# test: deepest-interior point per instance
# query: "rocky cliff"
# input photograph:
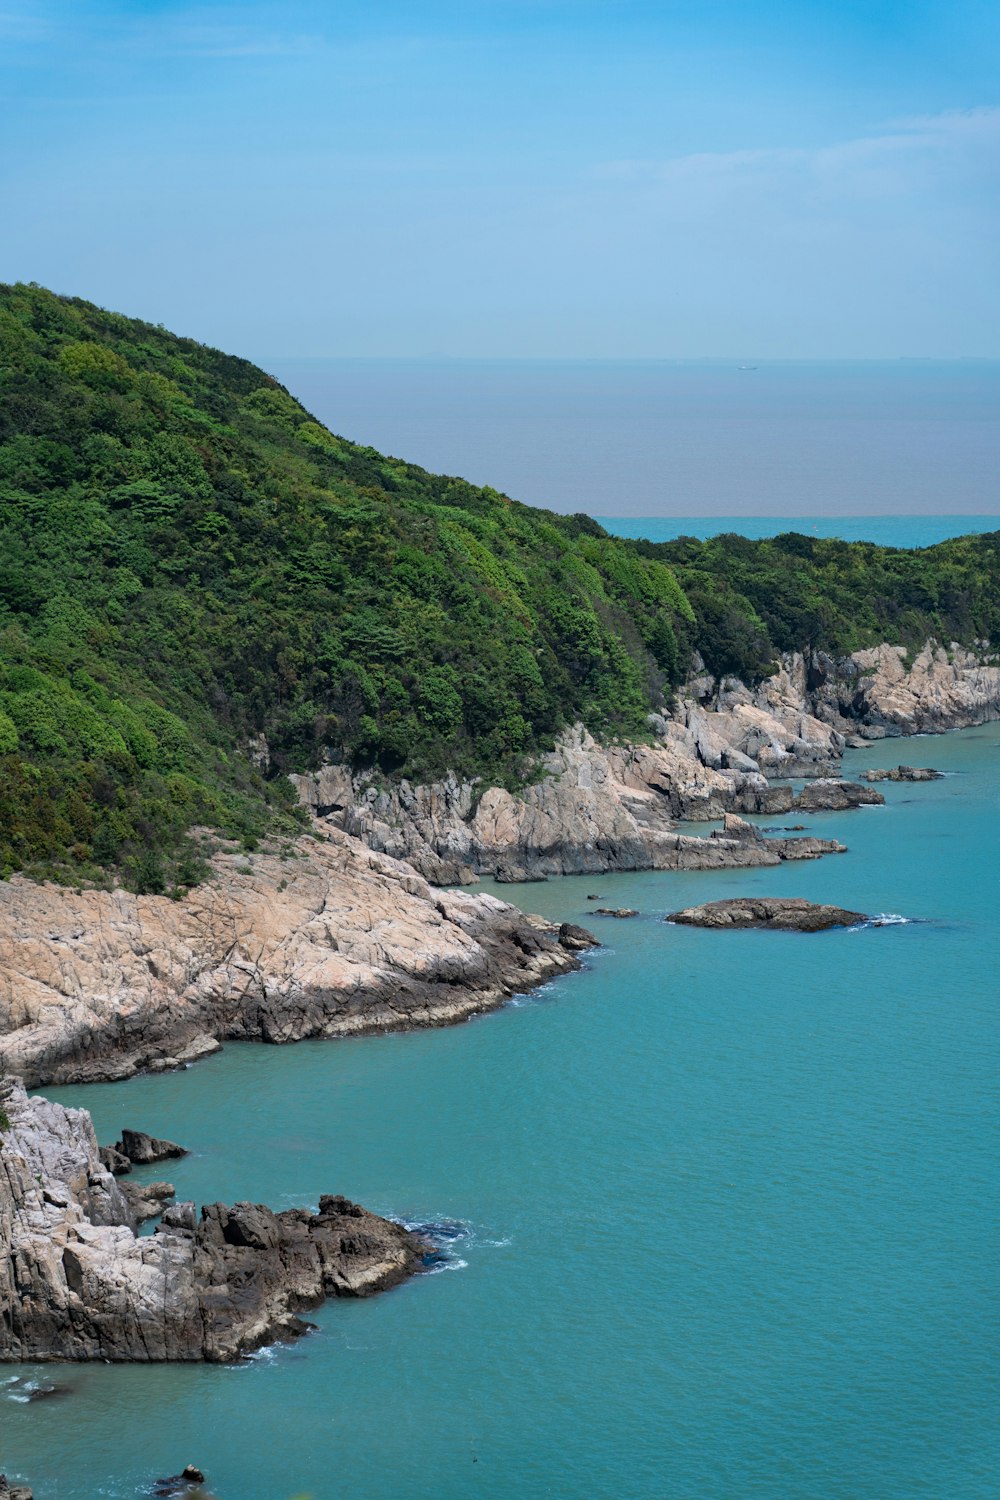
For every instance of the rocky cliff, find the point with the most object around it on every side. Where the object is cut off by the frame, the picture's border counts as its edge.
(76, 1283)
(325, 938)
(592, 808)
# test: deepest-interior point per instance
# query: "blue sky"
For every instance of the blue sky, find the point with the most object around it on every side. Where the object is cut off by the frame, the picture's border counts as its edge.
(561, 178)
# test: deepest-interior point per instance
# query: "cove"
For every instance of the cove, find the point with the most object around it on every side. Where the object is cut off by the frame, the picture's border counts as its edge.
(725, 1201)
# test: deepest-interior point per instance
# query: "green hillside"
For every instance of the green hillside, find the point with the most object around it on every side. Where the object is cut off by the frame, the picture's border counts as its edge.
(189, 561)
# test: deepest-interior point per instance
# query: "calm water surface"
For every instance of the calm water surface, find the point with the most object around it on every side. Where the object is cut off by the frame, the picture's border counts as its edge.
(730, 1203)
(682, 437)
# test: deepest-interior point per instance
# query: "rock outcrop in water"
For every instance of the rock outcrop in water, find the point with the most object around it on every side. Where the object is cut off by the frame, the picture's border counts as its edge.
(76, 1283)
(789, 914)
(331, 940)
(902, 773)
(10, 1491)
(594, 808)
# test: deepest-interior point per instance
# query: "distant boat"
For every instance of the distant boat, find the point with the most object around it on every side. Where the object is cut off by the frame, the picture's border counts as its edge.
(747, 367)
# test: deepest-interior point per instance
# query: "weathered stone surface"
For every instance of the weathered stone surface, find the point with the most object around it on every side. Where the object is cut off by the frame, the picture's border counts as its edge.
(748, 834)
(791, 914)
(147, 1200)
(830, 795)
(141, 1149)
(615, 807)
(117, 1164)
(576, 938)
(76, 1283)
(616, 911)
(10, 1491)
(903, 773)
(332, 941)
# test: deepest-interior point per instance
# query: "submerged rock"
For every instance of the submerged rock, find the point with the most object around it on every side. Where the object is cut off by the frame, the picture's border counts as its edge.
(77, 1283)
(615, 911)
(902, 773)
(791, 914)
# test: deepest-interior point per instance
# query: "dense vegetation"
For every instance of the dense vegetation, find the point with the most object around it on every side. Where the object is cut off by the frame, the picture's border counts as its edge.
(194, 570)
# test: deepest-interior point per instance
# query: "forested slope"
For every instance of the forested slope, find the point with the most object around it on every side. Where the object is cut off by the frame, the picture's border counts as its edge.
(190, 562)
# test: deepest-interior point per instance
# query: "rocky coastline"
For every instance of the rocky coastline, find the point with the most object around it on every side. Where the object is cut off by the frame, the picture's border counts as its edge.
(593, 808)
(77, 1283)
(323, 939)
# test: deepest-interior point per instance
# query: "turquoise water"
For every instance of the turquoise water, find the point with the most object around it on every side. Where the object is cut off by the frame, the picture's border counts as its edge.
(730, 1197)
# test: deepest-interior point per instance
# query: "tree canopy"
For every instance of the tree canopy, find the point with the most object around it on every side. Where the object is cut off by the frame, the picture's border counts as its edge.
(193, 568)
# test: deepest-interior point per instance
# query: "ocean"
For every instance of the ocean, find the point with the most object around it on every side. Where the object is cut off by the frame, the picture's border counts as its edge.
(722, 1206)
(702, 438)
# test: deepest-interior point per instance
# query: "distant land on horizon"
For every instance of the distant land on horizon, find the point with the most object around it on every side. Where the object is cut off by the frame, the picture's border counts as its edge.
(682, 438)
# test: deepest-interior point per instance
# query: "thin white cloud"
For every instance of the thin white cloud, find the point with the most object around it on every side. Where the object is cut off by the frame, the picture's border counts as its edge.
(918, 137)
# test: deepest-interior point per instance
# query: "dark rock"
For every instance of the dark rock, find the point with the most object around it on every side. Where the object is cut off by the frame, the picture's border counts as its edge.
(611, 911)
(187, 1482)
(139, 1148)
(903, 773)
(117, 1164)
(836, 796)
(790, 914)
(46, 1392)
(576, 938)
(595, 898)
(10, 1491)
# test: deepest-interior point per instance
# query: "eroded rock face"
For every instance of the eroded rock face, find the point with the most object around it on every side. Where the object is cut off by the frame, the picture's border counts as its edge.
(140, 1149)
(790, 914)
(333, 941)
(831, 795)
(10, 1491)
(594, 808)
(76, 1283)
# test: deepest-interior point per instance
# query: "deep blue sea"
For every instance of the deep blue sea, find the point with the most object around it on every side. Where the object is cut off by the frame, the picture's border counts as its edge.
(726, 1208)
(691, 438)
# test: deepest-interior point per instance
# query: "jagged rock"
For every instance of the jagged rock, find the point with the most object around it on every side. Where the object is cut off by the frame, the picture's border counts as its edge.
(10, 1491)
(836, 796)
(615, 807)
(615, 911)
(576, 938)
(737, 830)
(331, 940)
(116, 1162)
(147, 1200)
(76, 1283)
(791, 914)
(902, 773)
(187, 1482)
(141, 1149)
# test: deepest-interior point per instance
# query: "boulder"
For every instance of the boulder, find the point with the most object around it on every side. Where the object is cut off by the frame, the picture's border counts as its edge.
(790, 914)
(140, 1149)
(576, 938)
(830, 795)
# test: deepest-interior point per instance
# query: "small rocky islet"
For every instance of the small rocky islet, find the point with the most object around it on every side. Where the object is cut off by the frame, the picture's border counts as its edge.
(771, 913)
